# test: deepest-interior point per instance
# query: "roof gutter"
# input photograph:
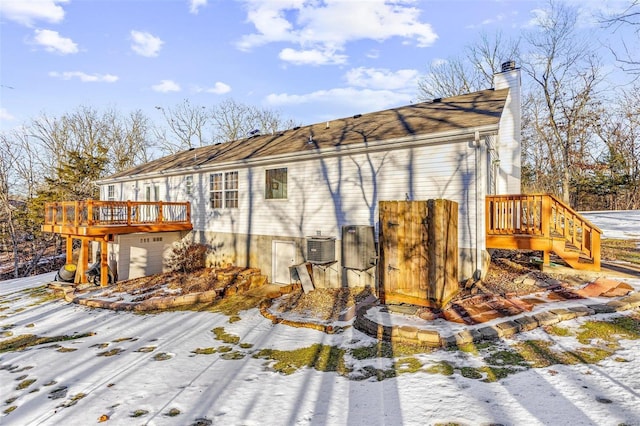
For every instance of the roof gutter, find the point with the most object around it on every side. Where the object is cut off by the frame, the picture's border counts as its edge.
(470, 133)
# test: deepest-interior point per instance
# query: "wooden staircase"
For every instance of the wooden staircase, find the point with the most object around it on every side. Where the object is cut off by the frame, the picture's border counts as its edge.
(542, 222)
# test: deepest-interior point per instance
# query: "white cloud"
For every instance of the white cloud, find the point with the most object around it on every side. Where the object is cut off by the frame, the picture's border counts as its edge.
(84, 77)
(166, 86)
(381, 78)
(311, 57)
(27, 12)
(328, 26)
(356, 99)
(195, 5)
(5, 115)
(219, 88)
(53, 42)
(145, 44)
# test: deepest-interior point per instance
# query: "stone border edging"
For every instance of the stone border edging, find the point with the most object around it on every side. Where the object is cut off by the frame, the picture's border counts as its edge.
(432, 338)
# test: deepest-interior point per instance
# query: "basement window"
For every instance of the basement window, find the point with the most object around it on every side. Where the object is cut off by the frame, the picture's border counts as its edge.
(276, 184)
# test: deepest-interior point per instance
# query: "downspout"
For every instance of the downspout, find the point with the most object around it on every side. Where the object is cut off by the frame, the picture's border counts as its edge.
(479, 176)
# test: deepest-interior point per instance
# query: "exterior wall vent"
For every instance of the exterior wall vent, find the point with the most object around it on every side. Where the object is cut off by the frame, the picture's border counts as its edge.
(321, 249)
(358, 247)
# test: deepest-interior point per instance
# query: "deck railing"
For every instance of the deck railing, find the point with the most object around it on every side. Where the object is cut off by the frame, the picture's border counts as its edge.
(116, 213)
(541, 215)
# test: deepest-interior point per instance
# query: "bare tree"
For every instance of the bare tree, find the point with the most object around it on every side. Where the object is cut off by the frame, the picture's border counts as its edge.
(187, 126)
(233, 120)
(628, 55)
(472, 72)
(565, 74)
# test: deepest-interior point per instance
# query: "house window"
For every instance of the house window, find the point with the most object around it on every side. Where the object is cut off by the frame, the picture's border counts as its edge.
(231, 190)
(276, 184)
(152, 193)
(215, 190)
(188, 185)
(223, 190)
(111, 193)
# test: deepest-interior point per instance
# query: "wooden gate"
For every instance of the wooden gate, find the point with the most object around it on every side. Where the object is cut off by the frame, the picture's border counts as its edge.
(418, 252)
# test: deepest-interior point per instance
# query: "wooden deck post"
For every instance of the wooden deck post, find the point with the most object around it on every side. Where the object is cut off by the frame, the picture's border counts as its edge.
(104, 265)
(83, 260)
(69, 250)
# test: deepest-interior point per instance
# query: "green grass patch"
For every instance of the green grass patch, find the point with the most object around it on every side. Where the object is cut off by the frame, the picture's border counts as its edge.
(224, 349)
(172, 412)
(626, 250)
(233, 355)
(63, 349)
(42, 294)
(204, 351)
(27, 340)
(246, 345)
(74, 399)
(471, 373)
(558, 331)
(442, 367)
(225, 337)
(139, 413)
(506, 357)
(25, 384)
(319, 357)
(388, 350)
(407, 365)
(10, 409)
(625, 327)
(162, 356)
(10, 400)
(111, 352)
(146, 349)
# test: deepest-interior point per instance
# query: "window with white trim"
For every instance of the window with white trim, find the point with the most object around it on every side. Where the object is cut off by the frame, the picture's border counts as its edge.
(276, 184)
(223, 190)
(111, 193)
(188, 185)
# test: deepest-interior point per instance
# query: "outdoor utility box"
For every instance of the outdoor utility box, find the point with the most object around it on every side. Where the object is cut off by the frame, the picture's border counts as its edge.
(321, 249)
(358, 247)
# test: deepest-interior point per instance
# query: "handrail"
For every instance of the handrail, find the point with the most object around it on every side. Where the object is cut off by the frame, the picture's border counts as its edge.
(116, 213)
(541, 215)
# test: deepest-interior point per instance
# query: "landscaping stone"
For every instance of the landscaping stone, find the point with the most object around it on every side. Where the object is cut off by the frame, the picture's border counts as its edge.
(619, 305)
(468, 336)
(490, 333)
(546, 318)
(428, 337)
(527, 323)
(601, 308)
(633, 300)
(581, 310)
(508, 328)
(564, 314)
(408, 332)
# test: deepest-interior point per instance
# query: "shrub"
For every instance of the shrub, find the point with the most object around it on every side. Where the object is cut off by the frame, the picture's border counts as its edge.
(187, 257)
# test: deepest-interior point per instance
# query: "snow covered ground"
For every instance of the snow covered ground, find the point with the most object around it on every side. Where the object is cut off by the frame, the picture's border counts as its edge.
(141, 369)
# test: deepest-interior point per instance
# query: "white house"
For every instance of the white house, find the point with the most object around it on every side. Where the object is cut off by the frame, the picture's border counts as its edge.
(264, 201)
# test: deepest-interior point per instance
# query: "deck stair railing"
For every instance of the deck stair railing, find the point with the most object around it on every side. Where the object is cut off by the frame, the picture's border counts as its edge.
(542, 222)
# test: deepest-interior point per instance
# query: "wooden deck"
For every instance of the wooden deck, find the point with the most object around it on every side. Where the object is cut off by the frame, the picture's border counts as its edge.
(95, 220)
(542, 222)
(99, 218)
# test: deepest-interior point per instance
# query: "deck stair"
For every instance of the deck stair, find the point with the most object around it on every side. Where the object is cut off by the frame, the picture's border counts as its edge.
(542, 222)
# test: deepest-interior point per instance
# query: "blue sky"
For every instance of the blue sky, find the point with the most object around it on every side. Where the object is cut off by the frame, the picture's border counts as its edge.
(312, 60)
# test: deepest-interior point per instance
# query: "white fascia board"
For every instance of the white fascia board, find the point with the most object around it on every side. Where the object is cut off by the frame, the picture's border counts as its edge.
(350, 149)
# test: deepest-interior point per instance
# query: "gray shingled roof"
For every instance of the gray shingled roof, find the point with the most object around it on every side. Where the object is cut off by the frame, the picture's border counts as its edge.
(476, 109)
